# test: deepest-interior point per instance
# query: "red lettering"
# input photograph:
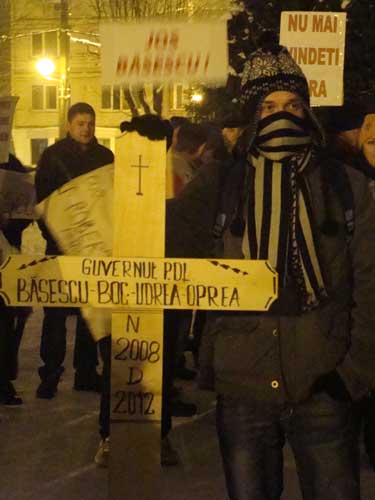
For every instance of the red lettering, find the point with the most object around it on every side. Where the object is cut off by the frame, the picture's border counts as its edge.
(297, 22)
(193, 67)
(122, 65)
(161, 39)
(158, 65)
(174, 40)
(147, 65)
(135, 66)
(150, 41)
(168, 65)
(180, 63)
(206, 63)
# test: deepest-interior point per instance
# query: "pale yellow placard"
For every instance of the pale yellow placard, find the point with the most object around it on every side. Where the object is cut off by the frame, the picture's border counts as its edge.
(316, 41)
(138, 283)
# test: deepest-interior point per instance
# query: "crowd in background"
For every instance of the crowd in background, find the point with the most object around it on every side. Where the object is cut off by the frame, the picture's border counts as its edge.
(201, 159)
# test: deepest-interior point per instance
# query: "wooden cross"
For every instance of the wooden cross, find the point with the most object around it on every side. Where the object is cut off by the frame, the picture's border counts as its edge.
(136, 283)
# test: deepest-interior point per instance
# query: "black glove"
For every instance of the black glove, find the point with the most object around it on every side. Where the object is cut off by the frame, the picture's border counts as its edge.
(333, 385)
(151, 126)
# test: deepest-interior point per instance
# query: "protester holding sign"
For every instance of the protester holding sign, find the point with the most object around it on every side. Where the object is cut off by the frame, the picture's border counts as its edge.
(71, 157)
(12, 319)
(293, 372)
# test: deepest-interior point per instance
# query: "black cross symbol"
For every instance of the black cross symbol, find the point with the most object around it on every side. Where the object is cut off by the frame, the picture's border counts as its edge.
(140, 166)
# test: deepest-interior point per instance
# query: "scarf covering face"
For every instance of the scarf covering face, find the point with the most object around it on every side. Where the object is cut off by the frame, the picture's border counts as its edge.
(281, 135)
(279, 226)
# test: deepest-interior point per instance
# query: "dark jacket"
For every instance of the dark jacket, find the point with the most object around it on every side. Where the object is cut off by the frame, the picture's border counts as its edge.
(279, 355)
(14, 227)
(190, 216)
(62, 162)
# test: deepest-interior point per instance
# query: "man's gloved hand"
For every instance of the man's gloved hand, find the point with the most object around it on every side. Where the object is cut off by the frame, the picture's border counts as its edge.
(333, 385)
(151, 126)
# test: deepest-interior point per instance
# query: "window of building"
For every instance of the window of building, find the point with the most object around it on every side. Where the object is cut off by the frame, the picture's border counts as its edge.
(37, 148)
(44, 44)
(106, 96)
(113, 97)
(178, 96)
(44, 97)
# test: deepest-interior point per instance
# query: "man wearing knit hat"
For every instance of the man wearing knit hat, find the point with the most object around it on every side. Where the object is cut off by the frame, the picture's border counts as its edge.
(293, 372)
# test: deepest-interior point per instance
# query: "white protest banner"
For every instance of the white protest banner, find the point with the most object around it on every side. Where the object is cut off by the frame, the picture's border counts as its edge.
(17, 194)
(134, 53)
(80, 218)
(7, 107)
(316, 41)
(80, 213)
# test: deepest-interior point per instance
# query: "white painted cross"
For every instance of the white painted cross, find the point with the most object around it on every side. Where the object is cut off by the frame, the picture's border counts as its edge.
(135, 283)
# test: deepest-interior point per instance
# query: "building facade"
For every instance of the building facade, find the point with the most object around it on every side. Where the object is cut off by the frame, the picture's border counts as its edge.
(35, 32)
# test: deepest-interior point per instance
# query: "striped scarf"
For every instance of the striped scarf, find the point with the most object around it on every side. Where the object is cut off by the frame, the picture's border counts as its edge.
(279, 226)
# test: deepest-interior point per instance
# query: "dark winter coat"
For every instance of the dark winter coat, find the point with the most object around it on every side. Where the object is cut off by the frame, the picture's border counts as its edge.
(279, 355)
(62, 162)
(190, 216)
(14, 227)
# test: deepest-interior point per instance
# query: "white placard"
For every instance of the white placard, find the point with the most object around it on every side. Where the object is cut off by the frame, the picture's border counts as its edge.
(7, 107)
(164, 52)
(316, 41)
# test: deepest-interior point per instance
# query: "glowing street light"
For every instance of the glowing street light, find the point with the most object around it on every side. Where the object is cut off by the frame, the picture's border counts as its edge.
(45, 67)
(197, 98)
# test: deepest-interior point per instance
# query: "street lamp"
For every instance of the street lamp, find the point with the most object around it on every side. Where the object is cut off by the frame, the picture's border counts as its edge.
(196, 98)
(46, 67)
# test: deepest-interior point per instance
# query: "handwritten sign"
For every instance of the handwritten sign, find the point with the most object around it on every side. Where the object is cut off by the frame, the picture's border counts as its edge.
(7, 107)
(17, 194)
(316, 41)
(138, 283)
(134, 53)
(79, 215)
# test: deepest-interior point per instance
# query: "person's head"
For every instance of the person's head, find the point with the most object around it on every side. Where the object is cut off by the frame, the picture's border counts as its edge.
(343, 125)
(81, 123)
(232, 126)
(231, 136)
(274, 88)
(191, 140)
(176, 122)
(367, 139)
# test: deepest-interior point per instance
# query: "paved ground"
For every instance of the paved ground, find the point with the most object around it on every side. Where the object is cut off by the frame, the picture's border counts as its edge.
(47, 447)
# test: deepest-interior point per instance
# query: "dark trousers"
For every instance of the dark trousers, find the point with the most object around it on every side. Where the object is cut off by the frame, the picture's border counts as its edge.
(365, 415)
(105, 349)
(321, 433)
(12, 323)
(53, 343)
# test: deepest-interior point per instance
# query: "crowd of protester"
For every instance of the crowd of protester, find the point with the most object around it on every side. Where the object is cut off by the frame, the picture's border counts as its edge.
(271, 182)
